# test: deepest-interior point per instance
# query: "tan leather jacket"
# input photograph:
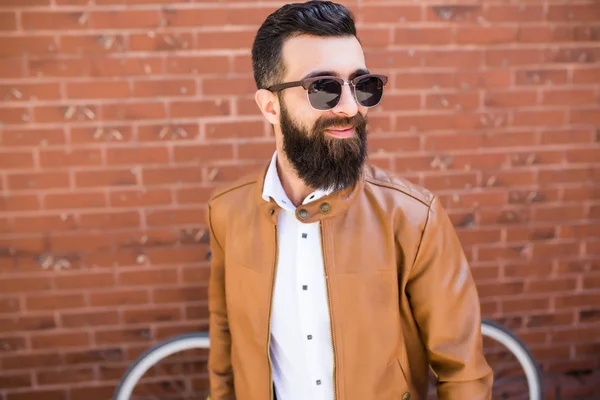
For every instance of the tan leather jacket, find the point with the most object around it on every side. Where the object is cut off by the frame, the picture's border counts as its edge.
(400, 291)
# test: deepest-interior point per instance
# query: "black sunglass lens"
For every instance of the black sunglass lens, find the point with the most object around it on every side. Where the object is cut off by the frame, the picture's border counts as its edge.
(324, 94)
(369, 91)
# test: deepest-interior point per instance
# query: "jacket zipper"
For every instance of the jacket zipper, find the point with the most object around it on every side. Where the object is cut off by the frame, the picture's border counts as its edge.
(272, 395)
(329, 309)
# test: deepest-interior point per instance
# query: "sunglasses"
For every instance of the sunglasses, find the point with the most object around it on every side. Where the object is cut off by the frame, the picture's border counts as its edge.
(325, 92)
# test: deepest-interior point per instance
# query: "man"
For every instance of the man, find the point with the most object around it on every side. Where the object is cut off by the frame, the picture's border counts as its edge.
(331, 279)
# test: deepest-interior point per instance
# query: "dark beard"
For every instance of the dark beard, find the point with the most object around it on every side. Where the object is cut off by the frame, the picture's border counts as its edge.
(321, 161)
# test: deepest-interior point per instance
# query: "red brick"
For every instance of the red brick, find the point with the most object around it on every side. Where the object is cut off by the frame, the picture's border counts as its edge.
(107, 133)
(171, 41)
(47, 223)
(573, 12)
(485, 35)
(259, 150)
(144, 277)
(121, 297)
(124, 66)
(539, 118)
(8, 21)
(453, 141)
(180, 216)
(69, 242)
(565, 175)
(423, 35)
(567, 136)
(28, 361)
(93, 392)
(545, 34)
(171, 175)
(137, 155)
(199, 65)
(15, 380)
(586, 75)
(85, 281)
(87, 319)
(455, 58)
(98, 90)
(162, 87)
(510, 98)
(526, 304)
(448, 181)
(199, 108)
(58, 394)
(38, 180)
(382, 60)
(585, 116)
(63, 375)
(234, 129)
(52, 20)
(509, 139)
(74, 200)
(103, 178)
(195, 195)
(14, 115)
(31, 91)
(11, 46)
(62, 158)
(225, 40)
(180, 295)
(398, 144)
(452, 101)
(228, 86)
(571, 55)
(510, 57)
(124, 19)
(140, 198)
(54, 301)
(53, 340)
(9, 305)
(64, 114)
(32, 137)
(133, 111)
(202, 153)
(390, 14)
(514, 13)
(16, 160)
(151, 315)
(92, 44)
(373, 37)
(569, 97)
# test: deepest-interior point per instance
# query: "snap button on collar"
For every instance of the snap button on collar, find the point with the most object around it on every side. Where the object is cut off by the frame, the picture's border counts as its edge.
(303, 214)
(325, 208)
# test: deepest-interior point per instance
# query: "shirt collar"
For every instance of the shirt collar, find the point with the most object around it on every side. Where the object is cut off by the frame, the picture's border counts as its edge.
(273, 188)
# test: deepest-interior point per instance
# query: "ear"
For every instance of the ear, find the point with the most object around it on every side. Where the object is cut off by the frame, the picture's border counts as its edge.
(268, 103)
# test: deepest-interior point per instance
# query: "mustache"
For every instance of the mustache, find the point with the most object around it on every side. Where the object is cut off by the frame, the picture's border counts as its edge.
(356, 121)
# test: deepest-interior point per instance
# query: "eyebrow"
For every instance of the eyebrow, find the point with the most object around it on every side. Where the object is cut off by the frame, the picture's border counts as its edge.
(358, 72)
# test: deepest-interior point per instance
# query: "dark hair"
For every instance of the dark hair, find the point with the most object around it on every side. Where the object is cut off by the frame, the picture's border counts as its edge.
(315, 17)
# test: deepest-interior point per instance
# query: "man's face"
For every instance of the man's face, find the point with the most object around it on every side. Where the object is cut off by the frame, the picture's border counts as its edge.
(326, 148)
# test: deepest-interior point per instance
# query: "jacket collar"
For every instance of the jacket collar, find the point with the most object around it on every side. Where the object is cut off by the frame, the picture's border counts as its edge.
(330, 204)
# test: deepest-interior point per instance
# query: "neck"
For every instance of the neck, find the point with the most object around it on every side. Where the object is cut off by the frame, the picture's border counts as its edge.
(294, 187)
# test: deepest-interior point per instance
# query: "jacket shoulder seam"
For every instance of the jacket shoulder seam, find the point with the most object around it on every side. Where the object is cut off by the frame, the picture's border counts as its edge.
(397, 188)
(224, 191)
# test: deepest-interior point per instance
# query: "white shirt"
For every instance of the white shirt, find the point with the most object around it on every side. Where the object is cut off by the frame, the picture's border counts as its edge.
(301, 344)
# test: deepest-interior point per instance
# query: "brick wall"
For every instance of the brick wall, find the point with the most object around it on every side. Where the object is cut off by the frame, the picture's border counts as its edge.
(120, 116)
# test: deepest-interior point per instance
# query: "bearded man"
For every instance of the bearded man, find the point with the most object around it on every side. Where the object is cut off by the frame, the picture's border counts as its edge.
(331, 279)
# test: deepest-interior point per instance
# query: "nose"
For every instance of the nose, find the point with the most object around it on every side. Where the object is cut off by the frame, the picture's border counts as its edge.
(347, 105)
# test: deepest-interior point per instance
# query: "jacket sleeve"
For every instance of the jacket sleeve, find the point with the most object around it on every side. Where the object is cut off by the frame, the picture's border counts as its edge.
(446, 306)
(220, 372)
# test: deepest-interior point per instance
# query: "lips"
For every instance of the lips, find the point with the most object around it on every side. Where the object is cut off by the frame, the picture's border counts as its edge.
(341, 132)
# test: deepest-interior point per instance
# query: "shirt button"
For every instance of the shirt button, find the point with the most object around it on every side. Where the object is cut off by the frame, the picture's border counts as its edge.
(318, 382)
(309, 337)
(325, 207)
(303, 214)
